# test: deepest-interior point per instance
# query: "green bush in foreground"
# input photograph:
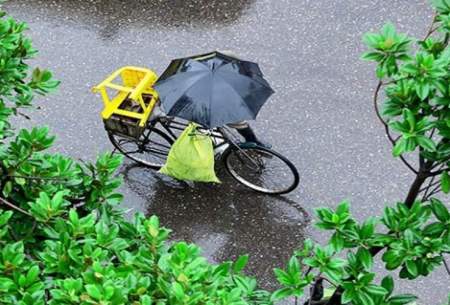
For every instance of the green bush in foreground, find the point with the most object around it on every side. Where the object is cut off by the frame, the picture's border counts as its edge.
(96, 260)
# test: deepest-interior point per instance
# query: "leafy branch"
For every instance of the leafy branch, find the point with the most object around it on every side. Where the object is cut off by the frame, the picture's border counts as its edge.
(417, 238)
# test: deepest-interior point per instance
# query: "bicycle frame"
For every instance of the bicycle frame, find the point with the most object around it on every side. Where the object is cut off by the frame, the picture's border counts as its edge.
(221, 136)
(171, 125)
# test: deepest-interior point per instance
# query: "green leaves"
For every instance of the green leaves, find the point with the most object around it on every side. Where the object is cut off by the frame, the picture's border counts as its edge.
(12, 257)
(426, 72)
(402, 299)
(294, 267)
(440, 210)
(25, 286)
(240, 263)
(347, 233)
(147, 269)
(388, 48)
(384, 295)
(366, 259)
(413, 134)
(16, 85)
(282, 294)
(361, 291)
(42, 81)
(333, 220)
(37, 140)
(5, 216)
(325, 261)
(400, 95)
(94, 292)
(442, 6)
(292, 280)
(426, 143)
(388, 284)
(445, 182)
(415, 242)
(46, 208)
(414, 246)
(416, 83)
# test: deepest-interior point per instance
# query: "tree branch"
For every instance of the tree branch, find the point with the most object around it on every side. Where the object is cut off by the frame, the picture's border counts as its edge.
(436, 190)
(38, 178)
(386, 126)
(428, 187)
(438, 172)
(13, 206)
(327, 280)
(431, 30)
(431, 184)
(316, 290)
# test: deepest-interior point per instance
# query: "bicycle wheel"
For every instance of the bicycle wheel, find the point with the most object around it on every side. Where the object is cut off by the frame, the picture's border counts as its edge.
(151, 149)
(262, 170)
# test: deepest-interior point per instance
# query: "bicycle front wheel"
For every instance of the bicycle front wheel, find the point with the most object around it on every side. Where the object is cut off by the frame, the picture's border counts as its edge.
(262, 170)
(151, 149)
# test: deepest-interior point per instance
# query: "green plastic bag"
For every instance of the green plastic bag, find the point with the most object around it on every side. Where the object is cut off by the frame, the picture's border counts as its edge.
(191, 157)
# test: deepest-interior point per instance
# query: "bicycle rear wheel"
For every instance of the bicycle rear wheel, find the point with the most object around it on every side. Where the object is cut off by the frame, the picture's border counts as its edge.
(262, 170)
(151, 149)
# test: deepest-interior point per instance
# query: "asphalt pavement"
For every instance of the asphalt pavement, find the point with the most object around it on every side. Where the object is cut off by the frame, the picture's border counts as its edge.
(320, 117)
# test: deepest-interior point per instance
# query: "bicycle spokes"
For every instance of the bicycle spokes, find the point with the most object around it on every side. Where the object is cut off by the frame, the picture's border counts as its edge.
(262, 170)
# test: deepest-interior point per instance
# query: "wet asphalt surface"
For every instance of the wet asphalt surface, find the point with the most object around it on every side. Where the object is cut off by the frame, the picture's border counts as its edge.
(321, 116)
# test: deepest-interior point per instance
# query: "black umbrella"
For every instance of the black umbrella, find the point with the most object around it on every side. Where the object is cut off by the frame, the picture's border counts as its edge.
(213, 89)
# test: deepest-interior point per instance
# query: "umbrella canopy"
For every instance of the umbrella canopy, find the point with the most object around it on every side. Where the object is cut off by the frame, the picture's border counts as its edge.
(213, 89)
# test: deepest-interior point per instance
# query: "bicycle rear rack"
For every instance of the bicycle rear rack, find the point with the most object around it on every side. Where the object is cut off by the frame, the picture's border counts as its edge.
(128, 111)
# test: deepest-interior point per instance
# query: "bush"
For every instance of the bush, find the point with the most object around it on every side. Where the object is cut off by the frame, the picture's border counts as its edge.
(62, 238)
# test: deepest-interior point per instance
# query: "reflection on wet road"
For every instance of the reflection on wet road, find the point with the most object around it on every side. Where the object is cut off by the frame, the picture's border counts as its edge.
(226, 220)
(108, 17)
(320, 117)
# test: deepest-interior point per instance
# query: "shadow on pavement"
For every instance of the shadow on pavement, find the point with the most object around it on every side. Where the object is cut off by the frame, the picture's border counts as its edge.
(226, 220)
(108, 16)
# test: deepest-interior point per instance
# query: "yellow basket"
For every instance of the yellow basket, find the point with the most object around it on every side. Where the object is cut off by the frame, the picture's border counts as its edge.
(129, 99)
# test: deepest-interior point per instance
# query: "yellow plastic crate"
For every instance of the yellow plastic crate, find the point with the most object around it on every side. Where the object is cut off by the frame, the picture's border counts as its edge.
(128, 97)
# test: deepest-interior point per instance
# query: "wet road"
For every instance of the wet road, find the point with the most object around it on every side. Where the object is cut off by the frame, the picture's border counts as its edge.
(321, 116)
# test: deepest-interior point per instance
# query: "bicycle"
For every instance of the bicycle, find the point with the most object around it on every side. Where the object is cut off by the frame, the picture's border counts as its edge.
(147, 140)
